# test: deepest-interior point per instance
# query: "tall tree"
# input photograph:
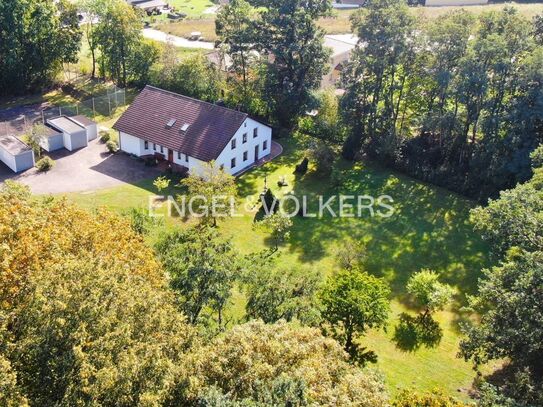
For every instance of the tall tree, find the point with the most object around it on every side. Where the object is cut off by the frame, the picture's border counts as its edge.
(193, 76)
(118, 36)
(376, 76)
(509, 302)
(92, 10)
(235, 26)
(85, 313)
(353, 302)
(202, 267)
(36, 37)
(288, 33)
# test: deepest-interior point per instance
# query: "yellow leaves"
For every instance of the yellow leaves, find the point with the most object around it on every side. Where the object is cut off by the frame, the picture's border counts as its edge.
(35, 233)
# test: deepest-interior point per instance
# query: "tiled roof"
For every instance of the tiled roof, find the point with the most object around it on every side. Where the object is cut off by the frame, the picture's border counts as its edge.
(210, 127)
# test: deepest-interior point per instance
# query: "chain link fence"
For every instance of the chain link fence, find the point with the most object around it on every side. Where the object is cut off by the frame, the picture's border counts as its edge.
(100, 106)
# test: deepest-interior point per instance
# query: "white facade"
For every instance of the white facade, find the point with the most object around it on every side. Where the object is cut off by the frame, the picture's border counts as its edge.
(248, 143)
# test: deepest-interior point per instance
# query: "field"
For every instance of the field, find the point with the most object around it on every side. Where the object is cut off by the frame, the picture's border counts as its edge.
(429, 229)
(340, 22)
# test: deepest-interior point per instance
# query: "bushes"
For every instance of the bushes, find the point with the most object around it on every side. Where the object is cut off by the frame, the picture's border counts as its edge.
(112, 146)
(45, 164)
(104, 136)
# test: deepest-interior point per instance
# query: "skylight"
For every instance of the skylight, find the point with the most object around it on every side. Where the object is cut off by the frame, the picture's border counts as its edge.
(185, 127)
(171, 123)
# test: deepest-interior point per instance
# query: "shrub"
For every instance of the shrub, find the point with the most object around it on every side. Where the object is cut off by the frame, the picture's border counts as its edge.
(112, 146)
(45, 164)
(270, 204)
(104, 136)
(302, 167)
(161, 183)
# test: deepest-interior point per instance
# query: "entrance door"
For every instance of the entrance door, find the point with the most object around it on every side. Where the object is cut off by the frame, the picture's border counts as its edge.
(170, 155)
(256, 152)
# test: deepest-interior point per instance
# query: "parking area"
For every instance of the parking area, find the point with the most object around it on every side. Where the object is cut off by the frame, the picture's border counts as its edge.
(87, 169)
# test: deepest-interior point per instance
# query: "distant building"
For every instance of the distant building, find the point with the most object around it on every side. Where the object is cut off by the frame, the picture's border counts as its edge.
(188, 132)
(341, 45)
(348, 4)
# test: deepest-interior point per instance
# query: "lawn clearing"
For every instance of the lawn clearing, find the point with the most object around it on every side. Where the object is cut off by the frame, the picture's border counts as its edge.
(430, 229)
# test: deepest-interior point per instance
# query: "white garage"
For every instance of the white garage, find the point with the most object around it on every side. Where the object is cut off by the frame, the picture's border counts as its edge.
(74, 135)
(88, 124)
(16, 154)
(52, 140)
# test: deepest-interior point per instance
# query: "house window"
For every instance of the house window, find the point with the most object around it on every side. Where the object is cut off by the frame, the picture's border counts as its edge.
(221, 167)
(162, 149)
(233, 143)
(178, 155)
(244, 140)
(255, 132)
(186, 158)
(154, 146)
(146, 145)
(232, 163)
(265, 145)
(245, 156)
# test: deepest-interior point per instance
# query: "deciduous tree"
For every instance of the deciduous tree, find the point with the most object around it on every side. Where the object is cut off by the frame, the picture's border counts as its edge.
(354, 301)
(280, 364)
(202, 268)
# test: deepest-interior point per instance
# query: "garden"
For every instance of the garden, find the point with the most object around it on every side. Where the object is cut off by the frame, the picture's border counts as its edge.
(429, 229)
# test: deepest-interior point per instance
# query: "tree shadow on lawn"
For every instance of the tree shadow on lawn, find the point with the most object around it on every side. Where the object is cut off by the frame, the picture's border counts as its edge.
(429, 228)
(412, 333)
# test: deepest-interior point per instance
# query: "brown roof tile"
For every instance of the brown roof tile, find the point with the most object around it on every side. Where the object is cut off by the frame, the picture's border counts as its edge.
(210, 126)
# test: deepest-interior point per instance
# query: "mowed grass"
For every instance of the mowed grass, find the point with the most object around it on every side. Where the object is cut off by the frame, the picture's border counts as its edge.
(429, 229)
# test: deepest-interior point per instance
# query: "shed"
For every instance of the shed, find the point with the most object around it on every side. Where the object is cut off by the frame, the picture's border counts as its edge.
(74, 135)
(16, 154)
(92, 128)
(52, 140)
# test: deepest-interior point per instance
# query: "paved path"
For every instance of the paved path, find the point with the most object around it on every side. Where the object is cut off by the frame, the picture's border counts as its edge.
(87, 169)
(276, 150)
(176, 41)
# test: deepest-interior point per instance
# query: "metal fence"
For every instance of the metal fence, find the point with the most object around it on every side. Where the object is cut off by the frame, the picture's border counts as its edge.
(100, 106)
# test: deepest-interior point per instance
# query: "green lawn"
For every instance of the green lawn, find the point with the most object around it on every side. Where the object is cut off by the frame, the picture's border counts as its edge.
(429, 229)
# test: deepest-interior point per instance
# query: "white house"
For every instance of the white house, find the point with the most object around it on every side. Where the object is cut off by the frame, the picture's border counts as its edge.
(188, 132)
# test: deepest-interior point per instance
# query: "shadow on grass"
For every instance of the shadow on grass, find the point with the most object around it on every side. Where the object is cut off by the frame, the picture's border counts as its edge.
(412, 333)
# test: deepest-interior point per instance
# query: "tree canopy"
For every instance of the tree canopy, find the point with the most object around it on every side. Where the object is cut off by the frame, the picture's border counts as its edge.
(279, 363)
(36, 38)
(354, 301)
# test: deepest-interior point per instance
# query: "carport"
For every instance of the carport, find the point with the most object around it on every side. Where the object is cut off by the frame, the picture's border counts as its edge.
(74, 134)
(16, 154)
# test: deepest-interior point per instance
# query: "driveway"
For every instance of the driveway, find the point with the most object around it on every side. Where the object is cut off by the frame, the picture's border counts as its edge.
(175, 40)
(87, 169)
